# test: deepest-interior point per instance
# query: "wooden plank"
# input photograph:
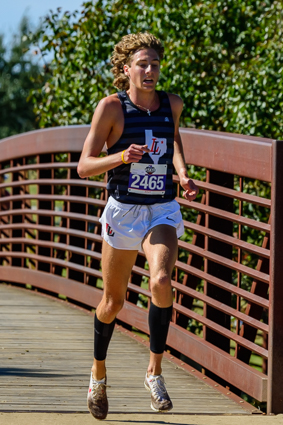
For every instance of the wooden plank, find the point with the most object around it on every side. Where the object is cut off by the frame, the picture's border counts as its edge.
(46, 354)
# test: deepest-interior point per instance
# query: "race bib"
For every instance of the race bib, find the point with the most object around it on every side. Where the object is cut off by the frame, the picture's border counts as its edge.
(147, 179)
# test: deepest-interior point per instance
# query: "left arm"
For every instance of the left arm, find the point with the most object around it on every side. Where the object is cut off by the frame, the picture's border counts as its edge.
(190, 189)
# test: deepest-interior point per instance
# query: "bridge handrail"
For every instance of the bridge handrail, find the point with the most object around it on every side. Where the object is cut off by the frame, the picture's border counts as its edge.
(227, 287)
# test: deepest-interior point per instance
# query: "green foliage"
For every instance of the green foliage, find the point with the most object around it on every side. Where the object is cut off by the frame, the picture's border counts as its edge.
(16, 71)
(224, 58)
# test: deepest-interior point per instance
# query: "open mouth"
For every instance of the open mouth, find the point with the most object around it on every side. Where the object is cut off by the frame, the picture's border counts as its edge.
(148, 81)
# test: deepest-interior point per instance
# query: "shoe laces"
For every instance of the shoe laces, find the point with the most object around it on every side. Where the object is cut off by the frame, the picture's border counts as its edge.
(99, 388)
(157, 386)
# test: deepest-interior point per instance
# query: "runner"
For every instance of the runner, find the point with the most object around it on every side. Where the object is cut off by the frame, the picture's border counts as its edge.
(141, 129)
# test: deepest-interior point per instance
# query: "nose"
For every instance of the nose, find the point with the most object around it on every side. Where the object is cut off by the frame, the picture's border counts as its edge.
(148, 69)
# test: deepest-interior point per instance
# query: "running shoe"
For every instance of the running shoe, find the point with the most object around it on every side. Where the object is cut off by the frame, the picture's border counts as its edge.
(160, 400)
(97, 402)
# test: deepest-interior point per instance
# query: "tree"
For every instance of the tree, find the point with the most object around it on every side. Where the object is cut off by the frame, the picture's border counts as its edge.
(223, 57)
(17, 69)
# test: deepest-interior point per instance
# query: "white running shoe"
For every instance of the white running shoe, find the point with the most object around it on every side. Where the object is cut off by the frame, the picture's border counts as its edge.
(97, 402)
(160, 400)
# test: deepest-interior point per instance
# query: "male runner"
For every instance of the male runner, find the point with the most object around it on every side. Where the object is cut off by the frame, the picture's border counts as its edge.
(141, 129)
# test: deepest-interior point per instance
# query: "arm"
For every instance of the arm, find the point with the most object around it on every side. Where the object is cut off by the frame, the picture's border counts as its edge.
(191, 190)
(105, 128)
(101, 126)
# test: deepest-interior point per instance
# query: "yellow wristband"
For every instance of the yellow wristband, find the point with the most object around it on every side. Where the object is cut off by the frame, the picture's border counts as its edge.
(122, 157)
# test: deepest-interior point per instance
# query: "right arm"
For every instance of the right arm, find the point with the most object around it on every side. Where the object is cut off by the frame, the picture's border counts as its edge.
(103, 126)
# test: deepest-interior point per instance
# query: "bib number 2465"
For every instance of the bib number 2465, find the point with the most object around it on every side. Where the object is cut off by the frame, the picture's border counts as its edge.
(148, 183)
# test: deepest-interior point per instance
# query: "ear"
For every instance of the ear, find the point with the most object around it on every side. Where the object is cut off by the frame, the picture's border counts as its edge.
(126, 70)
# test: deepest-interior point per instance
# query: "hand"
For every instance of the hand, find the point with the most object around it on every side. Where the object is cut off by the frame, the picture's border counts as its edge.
(134, 153)
(191, 190)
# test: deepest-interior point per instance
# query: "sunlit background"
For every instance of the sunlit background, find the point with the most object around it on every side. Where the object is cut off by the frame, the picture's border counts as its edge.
(13, 11)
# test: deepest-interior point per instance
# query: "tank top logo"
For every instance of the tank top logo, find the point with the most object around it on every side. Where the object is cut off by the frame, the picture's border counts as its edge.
(157, 146)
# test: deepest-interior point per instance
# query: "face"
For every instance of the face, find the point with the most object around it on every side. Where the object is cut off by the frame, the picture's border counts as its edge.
(144, 69)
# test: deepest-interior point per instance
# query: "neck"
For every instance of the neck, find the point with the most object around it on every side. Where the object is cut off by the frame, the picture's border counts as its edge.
(147, 100)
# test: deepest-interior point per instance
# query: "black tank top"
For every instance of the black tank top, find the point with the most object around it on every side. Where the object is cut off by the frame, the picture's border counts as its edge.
(150, 180)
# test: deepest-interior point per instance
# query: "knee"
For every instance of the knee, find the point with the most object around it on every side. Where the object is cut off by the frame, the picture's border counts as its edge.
(160, 282)
(112, 306)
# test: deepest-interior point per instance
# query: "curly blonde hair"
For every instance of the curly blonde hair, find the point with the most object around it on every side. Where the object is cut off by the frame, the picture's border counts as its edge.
(125, 49)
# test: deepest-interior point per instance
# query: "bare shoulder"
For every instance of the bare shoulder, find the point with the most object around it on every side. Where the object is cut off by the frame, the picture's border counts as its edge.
(112, 99)
(176, 106)
(176, 102)
(110, 105)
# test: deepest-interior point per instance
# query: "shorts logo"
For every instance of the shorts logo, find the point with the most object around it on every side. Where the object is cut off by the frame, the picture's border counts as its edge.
(166, 119)
(109, 230)
(171, 219)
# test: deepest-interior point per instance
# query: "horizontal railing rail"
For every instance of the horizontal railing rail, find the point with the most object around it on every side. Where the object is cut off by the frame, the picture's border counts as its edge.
(227, 282)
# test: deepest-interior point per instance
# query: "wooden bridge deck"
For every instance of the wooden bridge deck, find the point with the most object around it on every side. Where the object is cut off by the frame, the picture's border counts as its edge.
(45, 358)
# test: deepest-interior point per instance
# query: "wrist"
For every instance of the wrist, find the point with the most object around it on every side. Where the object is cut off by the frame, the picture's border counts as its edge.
(122, 157)
(183, 173)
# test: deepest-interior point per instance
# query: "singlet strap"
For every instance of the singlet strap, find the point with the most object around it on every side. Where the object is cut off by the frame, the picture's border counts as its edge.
(122, 97)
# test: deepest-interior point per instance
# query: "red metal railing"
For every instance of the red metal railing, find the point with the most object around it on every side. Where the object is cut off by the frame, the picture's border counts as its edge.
(228, 278)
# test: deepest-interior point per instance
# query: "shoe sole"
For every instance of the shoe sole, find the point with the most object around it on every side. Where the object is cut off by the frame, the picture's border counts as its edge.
(95, 417)
(153, 408)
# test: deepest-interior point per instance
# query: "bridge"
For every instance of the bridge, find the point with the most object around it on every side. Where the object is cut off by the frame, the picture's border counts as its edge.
(226, 335)
(47, 350)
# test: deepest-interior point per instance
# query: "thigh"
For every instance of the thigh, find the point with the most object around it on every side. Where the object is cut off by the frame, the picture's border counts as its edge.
(117, 265)
(160, 246)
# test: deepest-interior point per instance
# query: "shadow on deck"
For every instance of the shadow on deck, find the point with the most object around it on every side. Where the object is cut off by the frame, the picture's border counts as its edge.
(46, 354)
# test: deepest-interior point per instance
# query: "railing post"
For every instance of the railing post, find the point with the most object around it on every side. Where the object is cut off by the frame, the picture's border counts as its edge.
(275, 357)
(223, 249)
(17, 219)
(80, 208)
(44, 220)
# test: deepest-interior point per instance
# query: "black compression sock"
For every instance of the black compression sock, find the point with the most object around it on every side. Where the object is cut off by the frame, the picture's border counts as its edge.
(102, 336)
(158, 320)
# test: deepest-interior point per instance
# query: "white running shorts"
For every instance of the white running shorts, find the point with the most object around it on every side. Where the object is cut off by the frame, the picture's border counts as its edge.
(124, 226)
